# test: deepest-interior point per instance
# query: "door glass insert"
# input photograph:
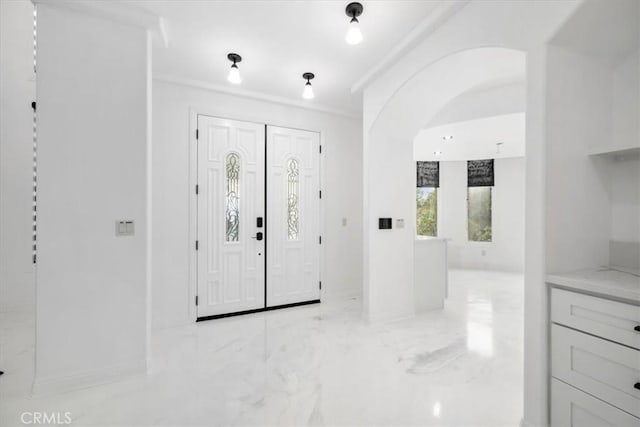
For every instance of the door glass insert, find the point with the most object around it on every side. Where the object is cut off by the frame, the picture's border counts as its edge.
(232, 198)
(293, 208)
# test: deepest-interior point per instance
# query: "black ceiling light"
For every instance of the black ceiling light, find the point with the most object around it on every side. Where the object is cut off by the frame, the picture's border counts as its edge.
(234, 72)
(354, 35)
(307, 93)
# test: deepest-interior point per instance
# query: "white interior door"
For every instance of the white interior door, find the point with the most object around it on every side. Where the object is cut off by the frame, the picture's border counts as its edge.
(293, 217)
(230, 257)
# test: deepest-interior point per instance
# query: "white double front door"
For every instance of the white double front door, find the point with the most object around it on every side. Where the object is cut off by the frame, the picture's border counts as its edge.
(258, 222)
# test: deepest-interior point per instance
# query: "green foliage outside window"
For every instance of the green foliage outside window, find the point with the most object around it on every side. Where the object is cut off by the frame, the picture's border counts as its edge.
(427, 211)
(479, 214)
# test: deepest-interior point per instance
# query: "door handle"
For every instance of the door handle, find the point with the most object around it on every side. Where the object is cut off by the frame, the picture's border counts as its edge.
(258, 236)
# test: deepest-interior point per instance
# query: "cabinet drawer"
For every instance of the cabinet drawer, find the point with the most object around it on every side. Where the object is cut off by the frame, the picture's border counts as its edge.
(612, 320)
(601, 368)
(571, 407)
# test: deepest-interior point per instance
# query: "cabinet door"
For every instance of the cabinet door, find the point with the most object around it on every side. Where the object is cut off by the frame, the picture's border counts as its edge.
(571, 407)
(612, 320)
(601, 368)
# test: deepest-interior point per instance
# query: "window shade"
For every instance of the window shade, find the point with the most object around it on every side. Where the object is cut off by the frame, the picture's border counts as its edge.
(480, 173)
(428, 174)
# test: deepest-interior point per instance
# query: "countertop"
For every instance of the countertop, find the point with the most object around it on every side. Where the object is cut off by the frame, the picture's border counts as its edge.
(605, 281)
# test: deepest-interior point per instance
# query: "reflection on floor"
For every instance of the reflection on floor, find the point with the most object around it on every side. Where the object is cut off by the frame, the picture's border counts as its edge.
(313, 365)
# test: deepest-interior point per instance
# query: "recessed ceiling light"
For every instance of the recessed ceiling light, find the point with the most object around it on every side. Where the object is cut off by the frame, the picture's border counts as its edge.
(307, 93)
(354, 35)
(234, 72)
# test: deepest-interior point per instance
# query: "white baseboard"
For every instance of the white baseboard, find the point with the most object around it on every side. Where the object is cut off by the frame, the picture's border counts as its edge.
(524, 423)
(333, 296)
(81, 380)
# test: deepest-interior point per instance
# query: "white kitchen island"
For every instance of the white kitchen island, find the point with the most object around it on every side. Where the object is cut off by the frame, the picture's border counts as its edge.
(430, 273)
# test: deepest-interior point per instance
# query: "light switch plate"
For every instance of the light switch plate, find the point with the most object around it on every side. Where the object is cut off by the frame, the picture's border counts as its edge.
(125, 228)
(400, 223)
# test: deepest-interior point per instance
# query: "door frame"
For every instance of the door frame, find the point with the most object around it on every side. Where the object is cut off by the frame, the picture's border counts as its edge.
(194, 112)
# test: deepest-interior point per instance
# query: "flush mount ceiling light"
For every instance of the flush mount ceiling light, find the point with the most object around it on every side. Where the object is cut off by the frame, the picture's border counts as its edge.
(307, 93)
(234, 72)
(354, 35)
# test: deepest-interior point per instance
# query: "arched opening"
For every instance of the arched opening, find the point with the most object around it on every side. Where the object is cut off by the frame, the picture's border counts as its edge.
(388, 257)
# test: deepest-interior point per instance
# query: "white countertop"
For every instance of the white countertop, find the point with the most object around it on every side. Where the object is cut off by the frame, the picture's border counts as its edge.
(602, 281)
(431, 239)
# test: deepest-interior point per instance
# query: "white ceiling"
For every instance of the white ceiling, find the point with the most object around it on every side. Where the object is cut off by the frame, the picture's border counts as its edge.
(278, 41)
(473, 139)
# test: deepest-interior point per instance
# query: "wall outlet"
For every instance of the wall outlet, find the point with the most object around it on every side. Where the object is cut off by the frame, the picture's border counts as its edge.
(399, 223)
(483, 252)
(125, 228)
(344, 222)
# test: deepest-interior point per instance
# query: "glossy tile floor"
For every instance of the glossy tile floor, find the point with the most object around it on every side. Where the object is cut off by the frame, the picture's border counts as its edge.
(314, 365)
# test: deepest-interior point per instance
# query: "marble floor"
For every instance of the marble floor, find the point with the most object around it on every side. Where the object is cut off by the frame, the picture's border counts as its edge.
(313, 365)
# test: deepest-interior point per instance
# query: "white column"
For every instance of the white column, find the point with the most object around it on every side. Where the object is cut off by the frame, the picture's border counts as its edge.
(535, 290)
(93, 134)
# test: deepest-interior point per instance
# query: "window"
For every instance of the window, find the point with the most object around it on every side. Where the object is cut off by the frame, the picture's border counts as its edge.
(479, 214)
(427, 182)
(427, 211)
(480, 180)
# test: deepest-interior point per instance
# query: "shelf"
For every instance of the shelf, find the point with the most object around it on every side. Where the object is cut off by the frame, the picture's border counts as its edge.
(615, 151)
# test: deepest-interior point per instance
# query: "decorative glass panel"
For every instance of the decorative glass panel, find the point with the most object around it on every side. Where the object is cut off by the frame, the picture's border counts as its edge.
(232, 202)
(293, 204)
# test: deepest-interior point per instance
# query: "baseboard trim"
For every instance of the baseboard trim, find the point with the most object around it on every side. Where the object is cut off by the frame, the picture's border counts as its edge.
(82, 380)
(523, 423)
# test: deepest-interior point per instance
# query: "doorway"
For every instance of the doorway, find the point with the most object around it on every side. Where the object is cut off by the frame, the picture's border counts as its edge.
(258, 217)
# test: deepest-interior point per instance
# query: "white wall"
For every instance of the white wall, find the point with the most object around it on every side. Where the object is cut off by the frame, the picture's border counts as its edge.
(92, 163)
(625, 173)
(579, 102)
(341, 190)
(625, 200)
(17, 91)
(625, 113)
(506, 250)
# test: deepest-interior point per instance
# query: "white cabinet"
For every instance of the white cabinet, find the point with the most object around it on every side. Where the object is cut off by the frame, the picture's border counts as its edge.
(601, 317)
(595, 361)
(571, 407)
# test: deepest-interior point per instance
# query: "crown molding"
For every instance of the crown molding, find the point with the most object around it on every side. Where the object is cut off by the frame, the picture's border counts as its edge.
(115, 11)
(198, 84)
(441, 14)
